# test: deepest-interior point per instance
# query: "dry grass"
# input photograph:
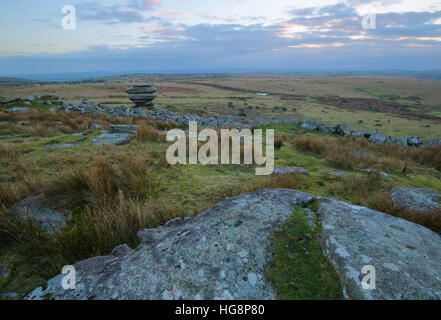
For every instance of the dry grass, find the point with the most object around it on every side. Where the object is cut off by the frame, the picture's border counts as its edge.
(430, 219)
(101, 183)
(342, 153)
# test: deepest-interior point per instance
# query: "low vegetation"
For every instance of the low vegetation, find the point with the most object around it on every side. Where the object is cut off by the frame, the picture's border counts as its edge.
(299, 270)
(112, 192)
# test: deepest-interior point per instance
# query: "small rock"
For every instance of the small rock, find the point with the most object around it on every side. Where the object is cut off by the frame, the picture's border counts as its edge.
(291, 169)
(94, 126)
(433, 142)
(52, 221)
(383, 174)
(342, 130)
(112, 139)
(59, 146)
(9, 100)
(414, 141)
(310, 124)
(17, 109)
(339, 174)
(123, 128)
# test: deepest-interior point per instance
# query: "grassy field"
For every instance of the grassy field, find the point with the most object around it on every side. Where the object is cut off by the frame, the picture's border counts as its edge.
(114, 191)
(393, 106)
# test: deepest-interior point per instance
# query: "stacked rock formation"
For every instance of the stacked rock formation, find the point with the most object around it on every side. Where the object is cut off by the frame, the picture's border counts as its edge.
(142, 95)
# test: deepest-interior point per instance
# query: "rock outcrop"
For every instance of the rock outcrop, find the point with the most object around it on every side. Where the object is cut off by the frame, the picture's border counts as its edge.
(220, 254)
(415, 199)
(142, 95)
(223, 254)
(406, 256)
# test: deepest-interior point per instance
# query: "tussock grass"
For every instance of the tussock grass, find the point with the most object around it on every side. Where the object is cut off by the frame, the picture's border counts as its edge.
(342, 152)
(101, 182)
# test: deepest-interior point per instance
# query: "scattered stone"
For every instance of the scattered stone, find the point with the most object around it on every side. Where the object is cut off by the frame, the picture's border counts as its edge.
(357, 154)
(433, 142)
(23, 122)
(415, 199)
(310, 124)
(112, 139)
(184, 260)
(379, 138)
(383, 174)
(30, 98)
(26, 103)
(142, 95)
(358, 133)
(288, 170)
(33, 206)
(402, 141)
(59, 146)
(339, 173)
(124, 128)
(47, 103)
(9, 100)
(406, 256)
(53, 109)
(326, 129)
(94, 126)
(414, 141)
(17, 109)
(342, 130)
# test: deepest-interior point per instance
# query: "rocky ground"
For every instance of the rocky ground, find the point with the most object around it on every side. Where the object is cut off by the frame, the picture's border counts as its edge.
(107, 192)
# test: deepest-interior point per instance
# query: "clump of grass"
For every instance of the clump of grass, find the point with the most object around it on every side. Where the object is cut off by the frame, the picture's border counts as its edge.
(360, 187)
(299, 270)
(101, 182)
(147, 132)
(340, 160)
(278, 143)
(429, 156)
(7, 196)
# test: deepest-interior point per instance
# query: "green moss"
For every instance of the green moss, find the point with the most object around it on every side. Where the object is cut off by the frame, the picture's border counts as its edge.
(300, 270)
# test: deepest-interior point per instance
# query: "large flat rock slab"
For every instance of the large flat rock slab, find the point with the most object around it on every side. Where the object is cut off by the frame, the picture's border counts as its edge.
(220, 254)
(406, 256)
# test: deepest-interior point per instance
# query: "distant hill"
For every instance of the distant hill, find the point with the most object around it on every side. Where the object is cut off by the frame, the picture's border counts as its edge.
(5, 81)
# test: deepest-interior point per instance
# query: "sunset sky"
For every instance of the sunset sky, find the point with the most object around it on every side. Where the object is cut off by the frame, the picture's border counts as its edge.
(218, 36)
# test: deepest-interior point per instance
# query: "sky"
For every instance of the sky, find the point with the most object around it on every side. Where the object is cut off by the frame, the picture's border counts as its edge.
(203, 36)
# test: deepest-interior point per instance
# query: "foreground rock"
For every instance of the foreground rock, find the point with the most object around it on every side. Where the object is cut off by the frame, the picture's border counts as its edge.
(416, 199)
(33, 206)
(220, 254)
(406, 256)
(142, 95)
